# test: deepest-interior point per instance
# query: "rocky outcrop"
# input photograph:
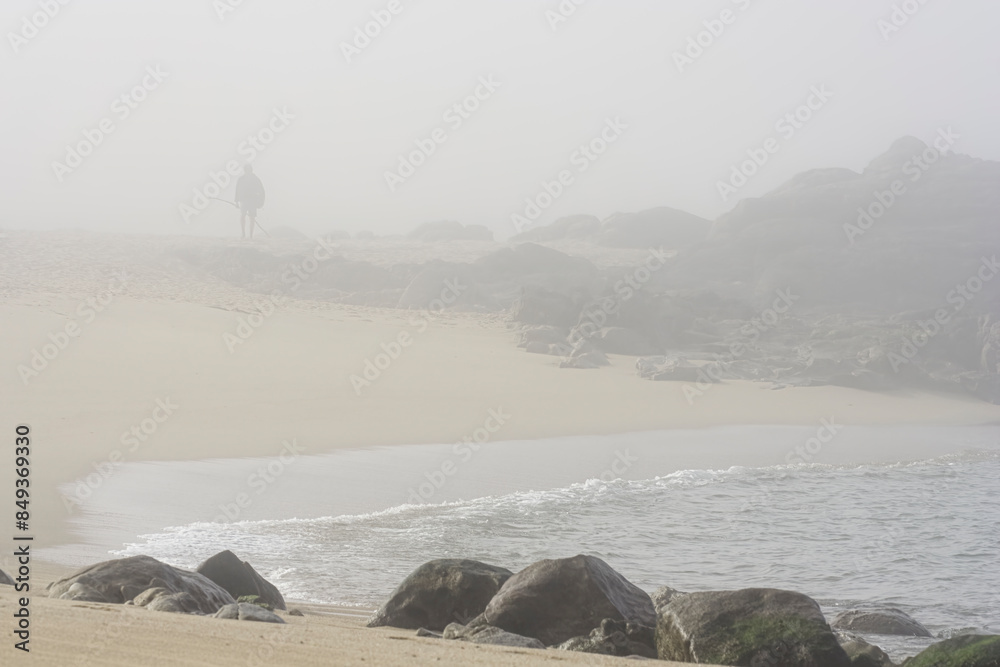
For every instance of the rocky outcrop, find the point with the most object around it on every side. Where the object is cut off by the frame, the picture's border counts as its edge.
(618, 638)
(440, 592)
(964, 651)
(244, 611)
(240, 579)
(480, 633)
(120, 581)
(556, 600)
(888, 621)
(753, 626)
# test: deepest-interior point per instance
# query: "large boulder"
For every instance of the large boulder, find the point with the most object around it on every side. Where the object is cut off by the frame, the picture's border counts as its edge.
(964, 651)
(556, 600)
(888, 621)
(120, 581)
(618, 638)
(753, 626)
(861, 653)
(440, 592)
(663, 596)
(542, 306)
(240, 579)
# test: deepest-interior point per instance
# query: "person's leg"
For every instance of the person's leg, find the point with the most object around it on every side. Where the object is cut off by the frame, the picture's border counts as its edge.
(243, 225)
(253, 223)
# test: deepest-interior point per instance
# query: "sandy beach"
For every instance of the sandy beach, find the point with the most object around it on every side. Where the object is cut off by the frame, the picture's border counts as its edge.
(129, 363)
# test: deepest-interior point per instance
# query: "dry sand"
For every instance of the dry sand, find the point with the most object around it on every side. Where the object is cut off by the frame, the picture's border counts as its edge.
(163, 339)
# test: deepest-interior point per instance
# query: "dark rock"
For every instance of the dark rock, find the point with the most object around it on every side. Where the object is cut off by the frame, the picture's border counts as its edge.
(119, 581)
(240, 579)
(964, 651)
(556, 600)
(547, 335)
(295, 612)
(861, 653)
(618, 638)
(754, 626)
(887, 621)
(488, 634)
(5, 579)
(440, 592)
(244, 611)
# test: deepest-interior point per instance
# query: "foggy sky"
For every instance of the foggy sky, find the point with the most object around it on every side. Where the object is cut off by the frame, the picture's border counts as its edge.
(557, 89)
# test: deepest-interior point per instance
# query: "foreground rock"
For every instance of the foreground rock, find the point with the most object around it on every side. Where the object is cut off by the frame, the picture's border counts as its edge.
(861, 653)
(478, 632)
(121, 581)
(556, 600)
(615, 638)
(440, 592)
(244, 611)
(754, 626)
(240, 579)
(887, 621)
(965, 651)
(5, 579)
(663, 596)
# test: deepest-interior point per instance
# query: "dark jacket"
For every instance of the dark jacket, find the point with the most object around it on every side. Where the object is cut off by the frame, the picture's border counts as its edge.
(249, 191)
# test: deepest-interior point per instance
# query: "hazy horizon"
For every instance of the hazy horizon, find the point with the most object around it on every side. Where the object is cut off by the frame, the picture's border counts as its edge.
(552, 86)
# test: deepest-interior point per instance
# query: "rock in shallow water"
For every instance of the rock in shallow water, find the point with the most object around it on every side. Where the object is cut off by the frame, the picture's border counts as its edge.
(556, 600)
(861, 653)
(754, 626)
(440, 592)
(964, 651)
(888, 621)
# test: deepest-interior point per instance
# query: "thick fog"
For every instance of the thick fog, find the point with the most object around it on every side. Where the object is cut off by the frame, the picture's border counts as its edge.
(558, 72)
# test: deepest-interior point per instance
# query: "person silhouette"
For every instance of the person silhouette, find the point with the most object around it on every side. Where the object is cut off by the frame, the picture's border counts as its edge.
(249, 197)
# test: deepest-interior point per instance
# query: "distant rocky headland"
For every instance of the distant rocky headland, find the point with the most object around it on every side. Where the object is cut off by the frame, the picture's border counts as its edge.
(878, 280)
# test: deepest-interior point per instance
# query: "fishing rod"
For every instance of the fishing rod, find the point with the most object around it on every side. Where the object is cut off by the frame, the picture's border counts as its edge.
(232, 203)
